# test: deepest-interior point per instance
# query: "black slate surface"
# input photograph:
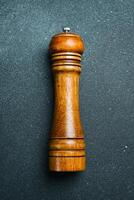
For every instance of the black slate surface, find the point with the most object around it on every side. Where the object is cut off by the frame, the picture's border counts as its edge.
(106, 94)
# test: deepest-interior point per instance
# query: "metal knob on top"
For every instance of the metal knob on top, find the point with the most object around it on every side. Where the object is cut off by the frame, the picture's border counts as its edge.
(66, 29)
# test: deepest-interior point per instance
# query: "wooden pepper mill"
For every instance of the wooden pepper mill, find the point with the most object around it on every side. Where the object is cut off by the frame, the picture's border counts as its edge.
(67, 147)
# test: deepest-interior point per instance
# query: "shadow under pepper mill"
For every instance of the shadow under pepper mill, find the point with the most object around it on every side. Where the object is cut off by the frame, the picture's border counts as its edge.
(67, 146)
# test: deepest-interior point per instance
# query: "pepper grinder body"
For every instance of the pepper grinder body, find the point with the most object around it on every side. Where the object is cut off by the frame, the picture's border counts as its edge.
(67, 146)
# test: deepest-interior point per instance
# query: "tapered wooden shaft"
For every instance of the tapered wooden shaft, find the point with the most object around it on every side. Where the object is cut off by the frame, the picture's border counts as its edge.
(67, 147)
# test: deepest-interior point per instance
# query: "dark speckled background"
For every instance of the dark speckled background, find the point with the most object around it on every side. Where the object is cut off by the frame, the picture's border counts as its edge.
(106, 94)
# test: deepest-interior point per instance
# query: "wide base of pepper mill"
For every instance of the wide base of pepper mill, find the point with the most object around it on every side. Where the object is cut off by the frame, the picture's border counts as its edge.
(67, 164)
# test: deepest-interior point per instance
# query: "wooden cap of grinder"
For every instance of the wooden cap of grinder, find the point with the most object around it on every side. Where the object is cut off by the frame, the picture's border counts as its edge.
(67, 146)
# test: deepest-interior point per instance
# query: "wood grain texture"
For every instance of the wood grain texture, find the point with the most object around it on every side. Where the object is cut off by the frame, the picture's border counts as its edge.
(67, 146)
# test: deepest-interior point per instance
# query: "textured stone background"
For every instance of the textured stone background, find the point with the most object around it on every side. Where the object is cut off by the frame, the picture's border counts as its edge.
(106, 94)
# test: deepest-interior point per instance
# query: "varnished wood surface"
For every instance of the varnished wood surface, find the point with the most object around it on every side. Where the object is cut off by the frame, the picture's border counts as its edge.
(67, 146)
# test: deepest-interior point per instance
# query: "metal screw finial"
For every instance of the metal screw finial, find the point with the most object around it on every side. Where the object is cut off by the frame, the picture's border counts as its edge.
(66, 29)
